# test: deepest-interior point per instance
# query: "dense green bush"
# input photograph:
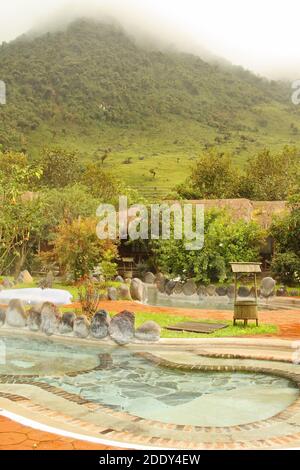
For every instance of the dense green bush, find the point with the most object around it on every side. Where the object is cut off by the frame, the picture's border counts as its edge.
(286, 267)
(286, 231)
(225, 241)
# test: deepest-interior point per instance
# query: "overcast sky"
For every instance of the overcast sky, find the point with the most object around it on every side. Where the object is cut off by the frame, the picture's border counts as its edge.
(261, 35)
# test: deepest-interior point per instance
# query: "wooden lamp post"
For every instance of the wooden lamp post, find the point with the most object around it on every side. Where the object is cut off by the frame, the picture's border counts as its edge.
(245, 309)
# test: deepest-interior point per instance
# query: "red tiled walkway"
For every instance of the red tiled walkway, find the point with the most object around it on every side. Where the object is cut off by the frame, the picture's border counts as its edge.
(14, 436)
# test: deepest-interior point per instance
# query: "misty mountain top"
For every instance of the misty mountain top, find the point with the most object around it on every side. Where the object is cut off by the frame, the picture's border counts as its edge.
(93, 85)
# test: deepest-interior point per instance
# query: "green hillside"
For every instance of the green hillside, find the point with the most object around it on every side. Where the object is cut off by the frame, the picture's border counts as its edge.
(92, 88)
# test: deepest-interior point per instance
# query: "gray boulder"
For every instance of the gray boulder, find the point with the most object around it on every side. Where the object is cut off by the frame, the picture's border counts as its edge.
(112, 293)
(230, 291)
(34, 318)
(190, 287)
(211, 290)
(2, 316)
(51, 317)
(221, 291)
(121, 328)
(81, 327)
(149, 278)
(67, 323)
(178, 288)
(15, 314)
(169, 287)
(244, 291)
(267, 287)
(137, 290)
(119, 279)
(294, 293)
(201, 291)
(160, 282)
(123, 292)
(149, 331)
(100, 324)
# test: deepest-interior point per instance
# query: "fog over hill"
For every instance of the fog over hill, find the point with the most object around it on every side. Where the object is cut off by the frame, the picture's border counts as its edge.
(260, 37)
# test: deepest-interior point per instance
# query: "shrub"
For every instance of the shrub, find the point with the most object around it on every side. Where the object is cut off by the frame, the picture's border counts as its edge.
(225, 241)
(77, 248)
(286, 266)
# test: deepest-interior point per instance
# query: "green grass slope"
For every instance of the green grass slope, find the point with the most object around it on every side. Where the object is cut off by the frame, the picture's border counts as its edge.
(92, 87)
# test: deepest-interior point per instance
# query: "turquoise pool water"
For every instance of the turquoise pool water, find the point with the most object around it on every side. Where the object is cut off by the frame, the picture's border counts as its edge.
(122, 380)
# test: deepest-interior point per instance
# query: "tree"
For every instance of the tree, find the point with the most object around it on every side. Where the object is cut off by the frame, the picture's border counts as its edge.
(77, 249)
(21, 220)
(225, 241)
(214, 177)
(152, 173)
(60, 168)
(285, 231)
(272, 176)
(66, 205)
(102, 185)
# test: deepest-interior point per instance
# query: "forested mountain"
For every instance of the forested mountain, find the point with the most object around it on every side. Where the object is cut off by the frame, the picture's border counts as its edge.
(92, 87)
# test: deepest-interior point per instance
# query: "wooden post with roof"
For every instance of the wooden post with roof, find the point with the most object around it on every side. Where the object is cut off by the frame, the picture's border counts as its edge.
(245, 309)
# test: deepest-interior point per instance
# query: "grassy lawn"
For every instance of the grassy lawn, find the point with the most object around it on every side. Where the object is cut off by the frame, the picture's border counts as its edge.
(164, 320)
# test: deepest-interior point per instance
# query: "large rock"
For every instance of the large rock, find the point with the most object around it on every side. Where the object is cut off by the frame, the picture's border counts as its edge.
(211, 290)
(15, 314)
(112, 293)
(2, 316)
(267, 287)
(149, 278)
(137, 290)
(119, 279)
(34, 318)
(178, 288)
(149, 331)
(169, 287)
(100, 324)
(121, 328)
(123, 292)
(221, 291)
(81, 327)
(244, 291)
(67, 323)
(25, 278)
(230, 291)
(51, 318)
(160, 282)
(201, 291)
(190, 287)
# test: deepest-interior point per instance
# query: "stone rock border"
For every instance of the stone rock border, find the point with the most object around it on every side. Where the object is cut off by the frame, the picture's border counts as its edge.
(47, 318)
